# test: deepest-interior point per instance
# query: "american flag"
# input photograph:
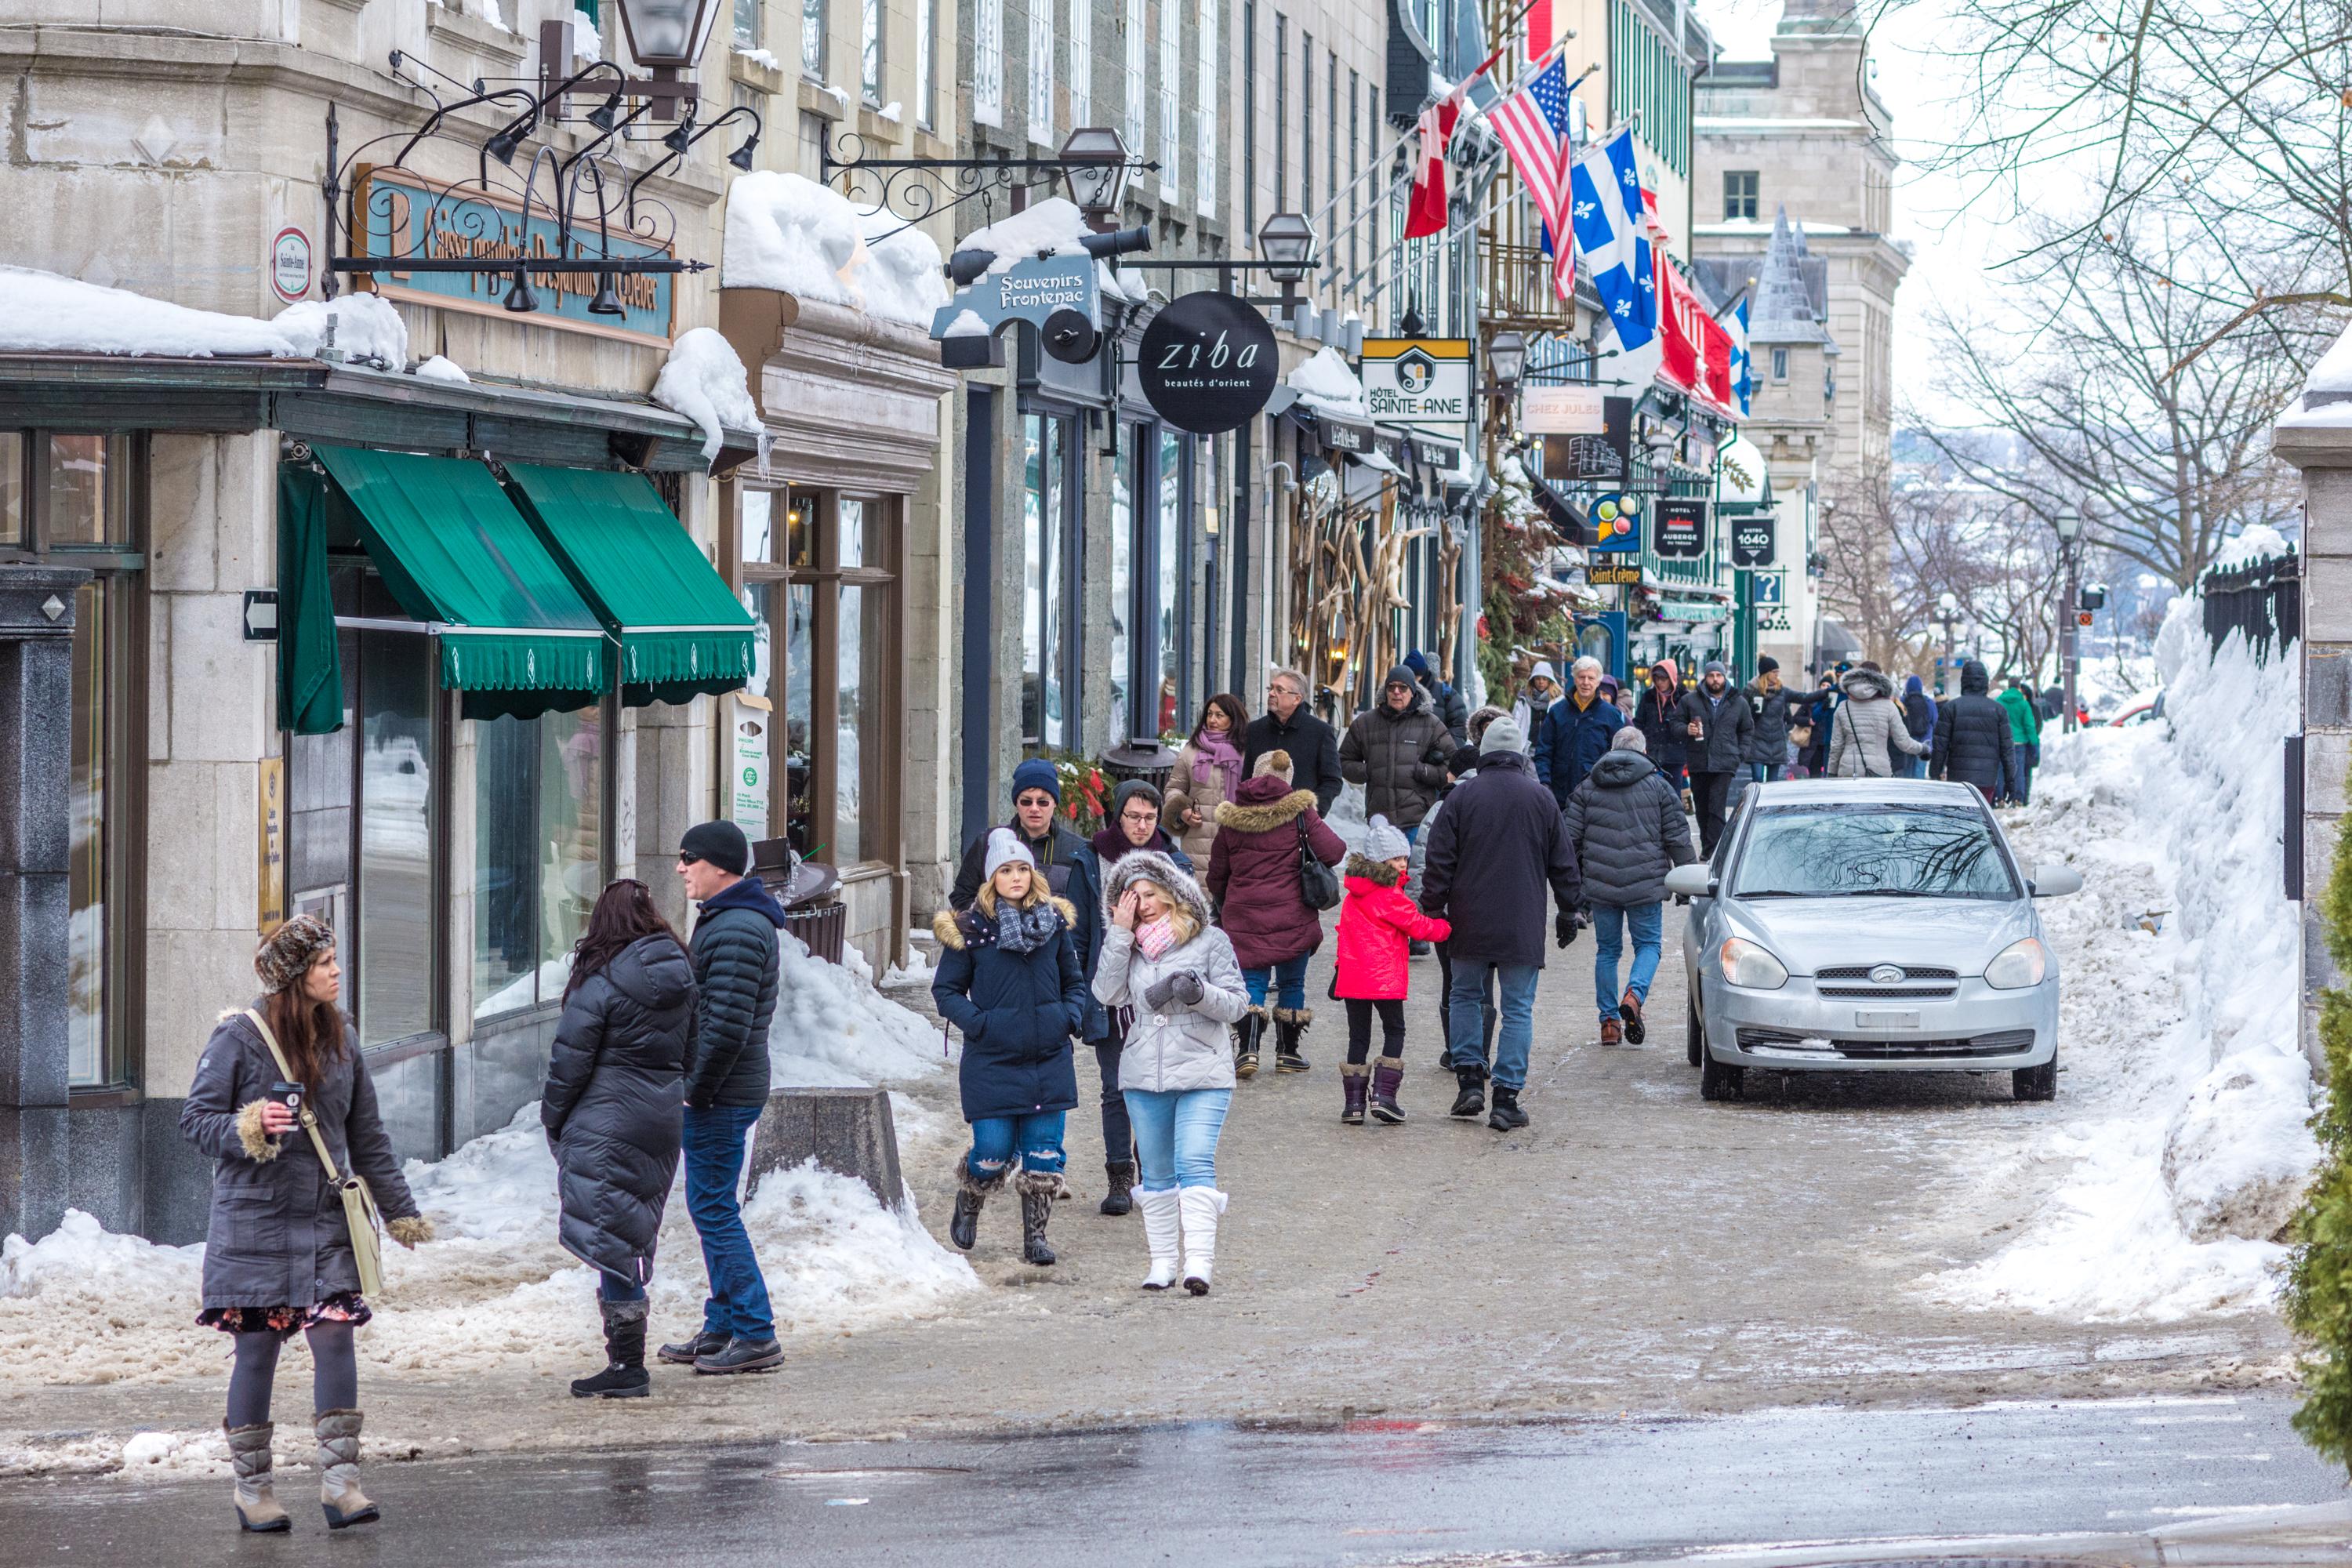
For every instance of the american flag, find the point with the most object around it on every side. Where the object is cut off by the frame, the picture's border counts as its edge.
(1533, 123)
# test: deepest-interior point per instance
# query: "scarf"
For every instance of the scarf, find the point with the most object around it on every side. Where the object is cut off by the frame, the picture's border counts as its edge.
(1026, 931)
(1216, 747)
(1156, 938)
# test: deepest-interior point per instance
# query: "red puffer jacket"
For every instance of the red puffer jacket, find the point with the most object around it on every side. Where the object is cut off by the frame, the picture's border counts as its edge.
(1375, 922)
(1254, 870)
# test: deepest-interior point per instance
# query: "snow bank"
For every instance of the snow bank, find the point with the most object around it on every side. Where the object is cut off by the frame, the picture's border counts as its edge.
(2256, 542)
(439, 368)
(46, 313)
(366, 326)
(789, 233)
(1054, 227)
(1327, 385)
(832, 1027)
(703, 379)
(2181, 1124)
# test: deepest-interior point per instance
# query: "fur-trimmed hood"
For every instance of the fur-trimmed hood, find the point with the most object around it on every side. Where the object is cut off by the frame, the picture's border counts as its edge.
(1379, 873)
(1261, 811)
(1863, 685)
(1150, 866)
(958, 930)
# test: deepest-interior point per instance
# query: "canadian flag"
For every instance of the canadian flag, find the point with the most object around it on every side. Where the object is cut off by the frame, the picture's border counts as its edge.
(1425, 213)
(1539, 36)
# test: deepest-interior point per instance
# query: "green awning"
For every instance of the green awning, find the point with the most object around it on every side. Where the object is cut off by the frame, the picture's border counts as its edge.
(310, 655)
(515, 635)
(681, 631)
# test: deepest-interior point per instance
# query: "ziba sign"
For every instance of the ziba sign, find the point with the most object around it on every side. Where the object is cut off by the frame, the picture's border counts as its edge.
(1208, 363)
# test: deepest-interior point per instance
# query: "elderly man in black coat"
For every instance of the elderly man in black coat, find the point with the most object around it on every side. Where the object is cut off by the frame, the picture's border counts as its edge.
(1288, 724)
(1972, 743)
(1626, 824)
(1498, 841)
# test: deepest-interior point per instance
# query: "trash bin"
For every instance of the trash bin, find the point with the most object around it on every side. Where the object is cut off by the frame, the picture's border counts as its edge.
(810, 892)
(1145, 759)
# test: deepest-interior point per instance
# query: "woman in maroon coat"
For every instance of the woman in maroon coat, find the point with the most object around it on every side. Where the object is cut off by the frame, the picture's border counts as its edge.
(1254, 877)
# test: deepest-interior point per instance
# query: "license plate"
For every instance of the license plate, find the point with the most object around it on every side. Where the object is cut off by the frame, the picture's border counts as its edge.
(1886, 1020)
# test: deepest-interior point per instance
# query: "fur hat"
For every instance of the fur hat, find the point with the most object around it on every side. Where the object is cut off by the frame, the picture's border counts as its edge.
(1502, 735)
(1150, 866)
(1004, 847)
(1275, 763)
(1385, 841)
(287, 953)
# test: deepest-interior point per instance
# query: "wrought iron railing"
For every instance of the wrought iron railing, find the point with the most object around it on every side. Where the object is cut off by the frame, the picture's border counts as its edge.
(2263, 600)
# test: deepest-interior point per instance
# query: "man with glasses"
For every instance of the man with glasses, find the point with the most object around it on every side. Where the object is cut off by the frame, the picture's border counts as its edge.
(1289, 725)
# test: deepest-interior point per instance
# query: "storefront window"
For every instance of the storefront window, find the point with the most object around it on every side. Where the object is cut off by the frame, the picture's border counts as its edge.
(537, 786)
(1047, 536)
(395, 985)
(1173, 601)
(87, 960)
(12, 487)
(1122, 583)
(800, 719)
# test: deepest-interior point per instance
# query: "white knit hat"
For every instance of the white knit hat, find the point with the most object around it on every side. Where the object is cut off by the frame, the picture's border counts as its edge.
(1385, 841)
(1004, 847)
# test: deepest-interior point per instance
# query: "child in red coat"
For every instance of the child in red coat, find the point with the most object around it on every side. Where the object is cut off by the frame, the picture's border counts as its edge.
(1376, 923)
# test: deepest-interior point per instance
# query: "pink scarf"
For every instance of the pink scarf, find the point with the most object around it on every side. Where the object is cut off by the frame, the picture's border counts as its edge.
(1216, 746)
(1157, 939)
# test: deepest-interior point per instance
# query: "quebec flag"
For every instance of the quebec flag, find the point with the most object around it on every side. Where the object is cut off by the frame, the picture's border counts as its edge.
(1743, 381)
(1605, 193)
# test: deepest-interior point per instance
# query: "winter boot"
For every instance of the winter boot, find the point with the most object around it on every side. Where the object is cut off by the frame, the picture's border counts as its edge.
(1160, 1225)
(1119, 1199)
(1353, 1077)
(710, 1342)
(625, 1376)
(1629, 1006)
(1471, 1103)
(1201, 1206)
(1245, 1044)
(1388, 1074)
(339, 1470)
(1610, 1033)
(1036, 1188)
(971, 1195)
(1289, 1029)
(1506, 1115)
(249, 1451)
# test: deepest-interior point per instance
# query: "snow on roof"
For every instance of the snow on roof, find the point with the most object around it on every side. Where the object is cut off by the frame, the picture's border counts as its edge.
(789, 233)
(46, 313)
(2334, 371)
(1327, 385)
(1053, 226)
(366, 326)
(703, 379)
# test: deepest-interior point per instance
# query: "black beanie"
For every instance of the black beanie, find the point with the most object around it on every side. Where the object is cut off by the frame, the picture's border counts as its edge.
(1767, 665)
(720, 843)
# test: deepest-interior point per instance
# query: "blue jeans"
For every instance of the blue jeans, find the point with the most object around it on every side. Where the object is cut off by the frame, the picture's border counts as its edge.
(716, 1141)
(1760, 772)
(1037, 1138)
(1914, 767)
(1412, 834)
(1288, 978)
(1608, 924)
(1465, 1018)
(1176, 1135)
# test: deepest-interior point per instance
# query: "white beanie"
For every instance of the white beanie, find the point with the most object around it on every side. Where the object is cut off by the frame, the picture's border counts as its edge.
(1502, 735)
(1003, 848)
(1385, 841)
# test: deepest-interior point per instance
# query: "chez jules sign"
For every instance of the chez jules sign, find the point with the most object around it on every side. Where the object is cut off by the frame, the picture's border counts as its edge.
(396, 214)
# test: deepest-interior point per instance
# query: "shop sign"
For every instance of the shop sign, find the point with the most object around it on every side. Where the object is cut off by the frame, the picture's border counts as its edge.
(1443, 455)
(271, 914)
(1563, 410)
(1208, 364)
(747, 755)
(1603, 457)
(1390, 445)
(1772, 618)
(1616, 525)
(1691, 610)
(1682, 530)
(396, 214)
(1421, 383)
(1034, 290)
(1751, 540)
(1345, 434)
(1767, 588)
(1617, 573)
(289, 263)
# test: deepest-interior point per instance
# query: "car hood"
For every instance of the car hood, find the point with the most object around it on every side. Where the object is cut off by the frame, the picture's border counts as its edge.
(1812, 934)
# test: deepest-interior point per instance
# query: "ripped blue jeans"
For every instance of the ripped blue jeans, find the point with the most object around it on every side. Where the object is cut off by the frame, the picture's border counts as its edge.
(995, 1139)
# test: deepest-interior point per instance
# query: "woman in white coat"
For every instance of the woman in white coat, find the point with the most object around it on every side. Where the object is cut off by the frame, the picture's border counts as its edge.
(1176, 976)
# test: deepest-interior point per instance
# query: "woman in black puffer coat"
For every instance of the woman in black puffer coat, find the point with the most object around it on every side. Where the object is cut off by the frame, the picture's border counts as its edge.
(614, 1113)
(1972, 741)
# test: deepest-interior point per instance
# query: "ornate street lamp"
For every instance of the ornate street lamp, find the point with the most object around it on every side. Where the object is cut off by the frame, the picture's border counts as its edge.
(1288, 240)
(667, 32)
(2069, 524)
(1095, 171)
(1506, 361)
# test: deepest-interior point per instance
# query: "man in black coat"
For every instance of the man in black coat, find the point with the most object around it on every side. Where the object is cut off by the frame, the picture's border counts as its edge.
(734, 954)
(1498, 842)
(1443, 701)
(1972, 743)
(1289, 725)
(1721, 731)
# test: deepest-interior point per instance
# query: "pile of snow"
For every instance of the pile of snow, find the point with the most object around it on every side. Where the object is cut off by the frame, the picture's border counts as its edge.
(832, 1027)
(703, 379)
(2334, 371)
(2255, 541)
(2180, 1126)
(367, 328)
(50, 314)
(440, 368)
(1327, 385)
(1054, 227)
(789, 233)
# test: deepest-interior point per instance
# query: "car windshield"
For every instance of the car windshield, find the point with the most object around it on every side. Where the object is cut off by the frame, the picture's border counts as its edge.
(1871, 850)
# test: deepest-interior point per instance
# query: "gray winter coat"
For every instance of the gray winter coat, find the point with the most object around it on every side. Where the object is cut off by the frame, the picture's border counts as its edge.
(1867, 723)
(1627, 824)
(1723, 746)
(1177, 1048)
(1398, 758)
(278, 1237)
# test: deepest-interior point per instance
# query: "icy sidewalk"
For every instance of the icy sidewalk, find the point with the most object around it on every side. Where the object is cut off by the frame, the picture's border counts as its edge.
(2178, 1147)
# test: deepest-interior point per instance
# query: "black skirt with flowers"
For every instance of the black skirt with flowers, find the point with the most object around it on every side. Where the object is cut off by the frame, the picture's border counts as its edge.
(342, 1307)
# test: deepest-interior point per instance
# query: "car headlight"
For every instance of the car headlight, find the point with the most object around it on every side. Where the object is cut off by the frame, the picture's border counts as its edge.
(1745, 963)
(2020, 964)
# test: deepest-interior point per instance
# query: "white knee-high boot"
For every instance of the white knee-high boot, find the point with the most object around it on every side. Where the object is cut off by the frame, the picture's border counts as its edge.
(1160, 1230)
(1201, 1207)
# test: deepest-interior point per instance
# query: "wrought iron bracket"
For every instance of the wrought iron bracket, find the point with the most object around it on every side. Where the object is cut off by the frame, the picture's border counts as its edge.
(918, 189)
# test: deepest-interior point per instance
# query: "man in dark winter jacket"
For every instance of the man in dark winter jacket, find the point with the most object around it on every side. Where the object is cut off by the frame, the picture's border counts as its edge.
(1627, 826)
(1575, 734)
(1720, 731)
(1289, 725)
(1655, 716)
(1443, 701)
(1972, 743)
(734, 954)
(1497, 843)
(1069, 867)
(1919, 722)
(1397, 751)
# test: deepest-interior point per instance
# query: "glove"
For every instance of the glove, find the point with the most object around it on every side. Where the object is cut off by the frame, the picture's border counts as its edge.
(1184, 987)
(1563, 927)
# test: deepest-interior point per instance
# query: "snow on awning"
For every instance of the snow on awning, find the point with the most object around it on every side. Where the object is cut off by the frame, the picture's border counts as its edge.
(791, 233)
(1326, 385)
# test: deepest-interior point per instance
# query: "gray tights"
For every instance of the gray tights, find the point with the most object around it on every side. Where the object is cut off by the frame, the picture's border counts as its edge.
(335, 1385)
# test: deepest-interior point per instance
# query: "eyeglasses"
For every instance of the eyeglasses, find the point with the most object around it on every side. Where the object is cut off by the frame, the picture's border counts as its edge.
(689, 859)
(1142, 820)
(1033, 797)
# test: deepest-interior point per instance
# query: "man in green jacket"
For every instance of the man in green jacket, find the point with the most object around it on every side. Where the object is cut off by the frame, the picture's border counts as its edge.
(2025, 739)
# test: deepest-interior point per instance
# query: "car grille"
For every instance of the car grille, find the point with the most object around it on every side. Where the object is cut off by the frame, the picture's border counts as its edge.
(1889, 990)
(1861, 972)
(2002, 1043)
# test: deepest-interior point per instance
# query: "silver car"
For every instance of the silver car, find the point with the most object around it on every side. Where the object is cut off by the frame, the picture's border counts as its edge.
(1869, 925)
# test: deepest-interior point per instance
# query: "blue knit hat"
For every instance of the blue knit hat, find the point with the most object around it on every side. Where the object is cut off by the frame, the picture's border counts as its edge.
(1414, 662)
(1036, 773)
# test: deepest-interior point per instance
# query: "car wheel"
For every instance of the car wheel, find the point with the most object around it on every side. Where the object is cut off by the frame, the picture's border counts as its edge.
(2036, 1083)
(1718, 1082)
(1696, 1029)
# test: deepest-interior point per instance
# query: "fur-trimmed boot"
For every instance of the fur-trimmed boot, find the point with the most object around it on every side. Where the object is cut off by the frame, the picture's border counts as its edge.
(1289, 1029)
(249, 1451)
(1200, 1208)
(339, 1470)
(973, 1194)
(1037, 1189)
(625, 1376)
(1250, 1034)
(1388, 1076)
(1161, 1232)
(1120, 1197)
(1353, 1078)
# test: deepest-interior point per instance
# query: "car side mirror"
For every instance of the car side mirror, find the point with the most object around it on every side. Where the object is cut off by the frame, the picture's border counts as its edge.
(1695, 880)
(2050, 881)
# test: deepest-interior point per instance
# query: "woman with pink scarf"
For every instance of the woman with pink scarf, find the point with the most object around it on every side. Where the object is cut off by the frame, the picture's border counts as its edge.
(1207, 774)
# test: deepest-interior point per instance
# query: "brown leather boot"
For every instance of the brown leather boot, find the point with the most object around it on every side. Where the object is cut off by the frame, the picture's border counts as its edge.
(1609, 1032)
(1629, 1006)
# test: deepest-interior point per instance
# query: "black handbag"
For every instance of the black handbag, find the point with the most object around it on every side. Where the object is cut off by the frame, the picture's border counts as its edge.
(1318, 883)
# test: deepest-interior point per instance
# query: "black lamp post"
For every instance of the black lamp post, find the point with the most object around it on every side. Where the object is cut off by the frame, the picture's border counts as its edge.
(2069, 524)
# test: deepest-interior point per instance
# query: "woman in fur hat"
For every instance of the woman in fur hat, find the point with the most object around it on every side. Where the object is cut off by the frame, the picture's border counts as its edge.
(278, 1250)
(1010, 979)
(1254, 877)
(1176, 976)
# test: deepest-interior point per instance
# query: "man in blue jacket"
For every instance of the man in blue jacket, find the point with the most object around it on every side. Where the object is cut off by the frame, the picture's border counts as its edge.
(734, 954)
(1576, 734)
